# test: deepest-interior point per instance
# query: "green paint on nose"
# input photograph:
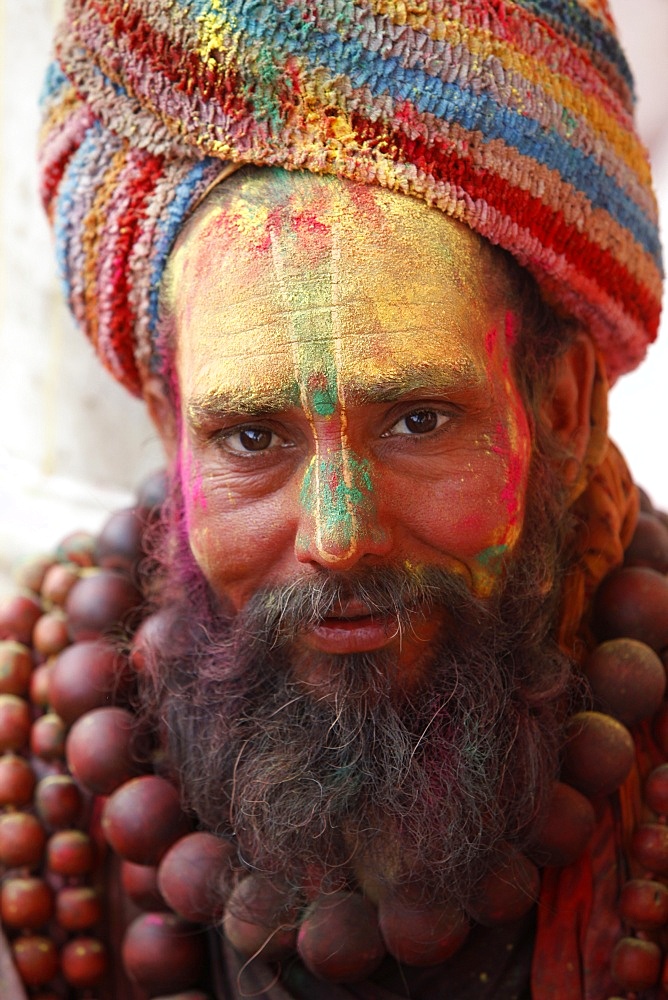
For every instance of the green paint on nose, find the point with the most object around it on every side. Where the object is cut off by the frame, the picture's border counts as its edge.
(324, 402)
(337, 492)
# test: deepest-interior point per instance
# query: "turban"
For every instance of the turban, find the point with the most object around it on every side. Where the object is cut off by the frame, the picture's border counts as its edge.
(513, 116)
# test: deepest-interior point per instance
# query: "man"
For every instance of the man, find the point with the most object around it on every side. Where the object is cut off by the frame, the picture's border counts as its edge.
(295, 230)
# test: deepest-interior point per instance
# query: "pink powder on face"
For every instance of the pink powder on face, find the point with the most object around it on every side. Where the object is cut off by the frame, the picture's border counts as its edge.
(491, 340)
(192, 484)
(510, 436)
(511, 329)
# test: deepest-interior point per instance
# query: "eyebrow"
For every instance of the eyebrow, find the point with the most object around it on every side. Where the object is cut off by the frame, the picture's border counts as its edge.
(391, 387)
(251, 401)
(264, 400)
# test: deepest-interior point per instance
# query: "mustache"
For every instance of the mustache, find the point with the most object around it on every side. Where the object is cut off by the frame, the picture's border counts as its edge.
(277, 615)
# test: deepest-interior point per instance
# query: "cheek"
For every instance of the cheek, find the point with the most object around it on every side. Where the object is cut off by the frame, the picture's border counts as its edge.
(498, 504)
(469, 519)
(198, 512)
(512, 449)
(238, 546)
(195, 502)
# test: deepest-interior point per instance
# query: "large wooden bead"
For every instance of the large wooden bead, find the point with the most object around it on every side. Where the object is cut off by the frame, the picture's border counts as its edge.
(47, 737)
(78, 908)
(119, 544)
(143, 818)
(36, 959)
(100, 751)
(258, 920)
(15, 668)
(22, 840)
(339, 938)
(656, 790)
(17, 781)
(140, 883)
(152, 493)
(194, 875)
(649, 545)
(508, 893)
(58, 801)
(26, 903)
(627, 679)
(78, 548)
(152, 634)
(644, 904)
(50, 634)
(101, 604)
(39, 685)
(58, 581)
(566, 829)
(85, 676)
(599, 753)
(18, 615)
(649, 845)
(424, 936)
(30, 573)
(633, 603)
(15, 722)
(70, 853)
(636, 964)
(83, 962)
(163, 953)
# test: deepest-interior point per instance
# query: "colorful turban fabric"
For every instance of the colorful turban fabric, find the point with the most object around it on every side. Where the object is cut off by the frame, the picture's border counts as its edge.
(514, 116)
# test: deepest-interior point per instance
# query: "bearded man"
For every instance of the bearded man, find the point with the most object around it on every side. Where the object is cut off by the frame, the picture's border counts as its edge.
(372, 267)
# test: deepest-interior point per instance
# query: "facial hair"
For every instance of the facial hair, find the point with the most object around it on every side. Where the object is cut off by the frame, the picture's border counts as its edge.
(367, 783)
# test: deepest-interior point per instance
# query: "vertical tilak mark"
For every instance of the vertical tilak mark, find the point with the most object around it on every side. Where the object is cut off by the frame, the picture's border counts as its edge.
(336, 484)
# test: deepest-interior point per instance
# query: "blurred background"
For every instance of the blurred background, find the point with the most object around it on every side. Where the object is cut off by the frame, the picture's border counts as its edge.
(73, 445)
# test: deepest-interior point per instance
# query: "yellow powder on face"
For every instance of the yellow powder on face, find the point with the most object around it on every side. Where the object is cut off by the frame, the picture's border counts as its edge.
(326, 296)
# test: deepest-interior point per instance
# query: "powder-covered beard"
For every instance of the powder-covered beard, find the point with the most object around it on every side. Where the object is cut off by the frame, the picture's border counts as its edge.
(369, 783)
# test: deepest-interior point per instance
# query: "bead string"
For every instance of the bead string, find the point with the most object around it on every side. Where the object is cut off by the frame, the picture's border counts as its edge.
(67, 737)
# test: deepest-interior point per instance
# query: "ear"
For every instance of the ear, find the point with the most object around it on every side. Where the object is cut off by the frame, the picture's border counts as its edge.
(566, 405)
(161, 412)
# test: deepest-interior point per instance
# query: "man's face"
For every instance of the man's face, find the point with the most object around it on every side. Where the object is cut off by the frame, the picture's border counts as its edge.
(347, 400)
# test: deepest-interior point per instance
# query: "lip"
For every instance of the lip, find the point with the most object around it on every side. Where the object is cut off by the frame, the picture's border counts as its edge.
(354, 630)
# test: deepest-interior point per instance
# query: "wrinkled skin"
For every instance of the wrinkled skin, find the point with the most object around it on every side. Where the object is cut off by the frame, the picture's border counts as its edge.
(335, 416)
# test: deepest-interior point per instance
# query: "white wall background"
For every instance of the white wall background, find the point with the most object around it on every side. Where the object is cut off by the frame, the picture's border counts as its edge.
(72, 444)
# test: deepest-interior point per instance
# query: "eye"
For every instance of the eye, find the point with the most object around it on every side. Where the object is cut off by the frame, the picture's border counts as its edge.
(422, 421)
(252, 439)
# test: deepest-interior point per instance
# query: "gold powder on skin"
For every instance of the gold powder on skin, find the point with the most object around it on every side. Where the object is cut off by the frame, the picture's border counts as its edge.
(335, 298)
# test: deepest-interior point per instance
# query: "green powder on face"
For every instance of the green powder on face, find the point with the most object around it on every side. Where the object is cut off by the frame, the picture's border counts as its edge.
(337, 492)
(323, 402)
(491, 559)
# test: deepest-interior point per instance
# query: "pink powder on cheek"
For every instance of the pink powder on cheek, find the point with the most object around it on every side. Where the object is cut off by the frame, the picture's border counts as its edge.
(192, 485)
(491, 340)
(511, 329)
(511, 435)
(511, 492)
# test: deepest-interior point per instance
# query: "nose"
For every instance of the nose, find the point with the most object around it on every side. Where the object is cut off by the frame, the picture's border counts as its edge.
(339, 522)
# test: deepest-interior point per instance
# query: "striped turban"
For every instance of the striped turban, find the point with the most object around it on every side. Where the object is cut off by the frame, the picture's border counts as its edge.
(514, 116)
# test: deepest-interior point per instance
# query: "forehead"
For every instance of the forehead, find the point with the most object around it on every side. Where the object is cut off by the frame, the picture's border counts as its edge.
(283, 269)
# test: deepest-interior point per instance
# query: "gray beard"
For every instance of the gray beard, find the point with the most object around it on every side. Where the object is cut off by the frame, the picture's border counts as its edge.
(369, 784)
